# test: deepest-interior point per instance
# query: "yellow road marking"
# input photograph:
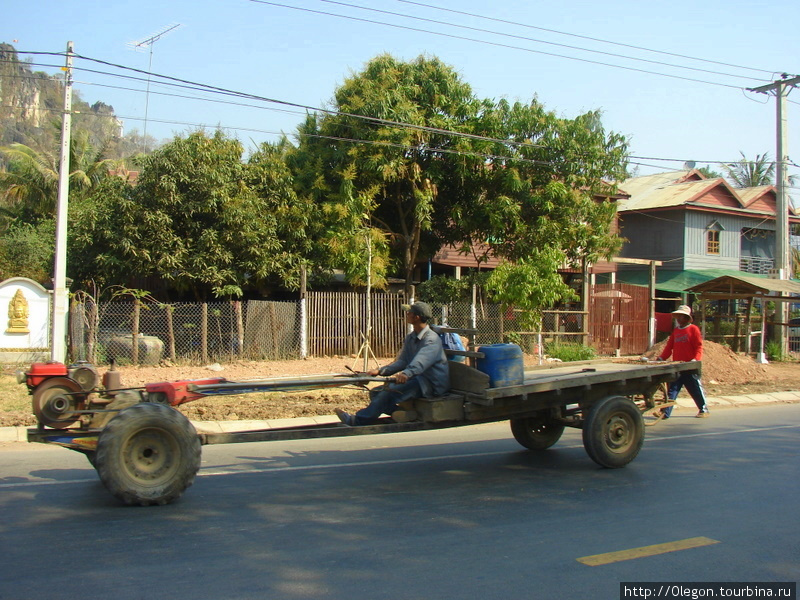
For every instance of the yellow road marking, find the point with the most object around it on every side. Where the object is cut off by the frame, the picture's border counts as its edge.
(612, 557)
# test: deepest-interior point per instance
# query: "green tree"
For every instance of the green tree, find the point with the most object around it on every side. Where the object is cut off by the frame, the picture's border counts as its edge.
(511, 177)
(383, 185)
(26, 250)
(539, 202)
(199, 218)
(710, 173)
(29, 186)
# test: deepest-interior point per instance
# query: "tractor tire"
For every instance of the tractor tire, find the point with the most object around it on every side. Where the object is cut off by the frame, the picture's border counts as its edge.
(536, 433)
(148, 454)
(613, 432)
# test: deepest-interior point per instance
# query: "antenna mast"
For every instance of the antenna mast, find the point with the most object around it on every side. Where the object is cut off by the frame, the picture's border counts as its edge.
(149, 43)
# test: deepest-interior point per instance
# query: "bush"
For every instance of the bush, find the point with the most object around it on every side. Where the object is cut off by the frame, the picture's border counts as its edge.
(569, 352)
(774, 351)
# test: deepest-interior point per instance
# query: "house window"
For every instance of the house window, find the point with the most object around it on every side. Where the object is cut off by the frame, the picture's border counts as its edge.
(712, 241)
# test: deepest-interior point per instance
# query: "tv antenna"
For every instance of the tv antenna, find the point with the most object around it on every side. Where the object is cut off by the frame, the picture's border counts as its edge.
(149, 42)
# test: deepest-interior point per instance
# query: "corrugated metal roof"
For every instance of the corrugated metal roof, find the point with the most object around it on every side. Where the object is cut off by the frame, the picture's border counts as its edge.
(666, 190)
(666, 196)
(748, 195)
(675, 281)
(638, 185)
(708, 280)
(747, 284)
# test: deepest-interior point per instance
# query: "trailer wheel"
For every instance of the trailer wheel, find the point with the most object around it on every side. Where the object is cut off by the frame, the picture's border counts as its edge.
(613, 432)
(537, 433)
(148, 454)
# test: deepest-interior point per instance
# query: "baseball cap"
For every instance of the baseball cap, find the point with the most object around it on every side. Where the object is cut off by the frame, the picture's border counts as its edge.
(422, 309)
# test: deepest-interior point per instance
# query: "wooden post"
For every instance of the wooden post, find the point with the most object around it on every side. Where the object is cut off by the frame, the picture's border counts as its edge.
(135, 332)
(651, 322)
(91, 354)
(703, 317)
(237, 309)
(737, 331)
(273, 320)
(584, 337)
(303, 312)
(747, 328)
(169, 309)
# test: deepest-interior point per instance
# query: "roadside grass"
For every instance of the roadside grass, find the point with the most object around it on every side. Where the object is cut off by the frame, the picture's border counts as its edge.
(14, 397)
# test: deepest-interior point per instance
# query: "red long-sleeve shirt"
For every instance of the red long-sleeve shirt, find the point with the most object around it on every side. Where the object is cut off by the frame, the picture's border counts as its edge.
(685, 344)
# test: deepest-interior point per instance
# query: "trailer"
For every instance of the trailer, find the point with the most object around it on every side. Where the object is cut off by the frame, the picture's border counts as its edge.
(147, 452)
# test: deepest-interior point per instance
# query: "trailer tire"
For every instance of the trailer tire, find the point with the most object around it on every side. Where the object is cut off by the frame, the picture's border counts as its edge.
(148, 454)
(613, 432)
(536, 433)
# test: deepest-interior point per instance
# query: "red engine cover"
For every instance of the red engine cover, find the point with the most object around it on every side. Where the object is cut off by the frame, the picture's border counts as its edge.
(41, 371)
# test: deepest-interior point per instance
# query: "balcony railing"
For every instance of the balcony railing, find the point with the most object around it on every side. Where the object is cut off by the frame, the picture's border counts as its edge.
(756, 264)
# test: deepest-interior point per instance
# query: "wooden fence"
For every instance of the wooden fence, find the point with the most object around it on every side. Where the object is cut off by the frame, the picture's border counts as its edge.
(336, 322)
(332, 324)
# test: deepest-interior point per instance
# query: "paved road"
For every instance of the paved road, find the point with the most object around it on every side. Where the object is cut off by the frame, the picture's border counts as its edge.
(463, 513)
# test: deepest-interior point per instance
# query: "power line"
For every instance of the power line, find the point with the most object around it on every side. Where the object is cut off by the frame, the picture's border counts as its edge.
(538, 41)
(183, 83)
(199, 98)
(186, 84)
(633, 160)
(497, 44)
(585, 37)
(384, 144)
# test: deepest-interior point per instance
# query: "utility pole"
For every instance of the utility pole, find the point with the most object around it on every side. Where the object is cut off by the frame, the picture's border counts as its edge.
(781, 89)
(58, 331)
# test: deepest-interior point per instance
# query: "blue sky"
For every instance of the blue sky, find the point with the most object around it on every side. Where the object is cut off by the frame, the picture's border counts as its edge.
(300, 56)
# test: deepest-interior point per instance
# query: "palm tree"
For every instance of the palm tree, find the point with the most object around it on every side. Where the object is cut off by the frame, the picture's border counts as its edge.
(29, 185)
(751, 173)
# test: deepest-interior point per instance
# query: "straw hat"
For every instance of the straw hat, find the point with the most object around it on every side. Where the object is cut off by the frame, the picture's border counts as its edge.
(683, 310)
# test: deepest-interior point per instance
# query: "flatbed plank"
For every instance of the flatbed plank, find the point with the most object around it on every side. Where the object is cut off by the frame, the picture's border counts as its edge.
(567, 376)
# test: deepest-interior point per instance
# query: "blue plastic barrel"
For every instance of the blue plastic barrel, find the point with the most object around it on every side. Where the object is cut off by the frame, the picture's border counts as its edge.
(503, 364)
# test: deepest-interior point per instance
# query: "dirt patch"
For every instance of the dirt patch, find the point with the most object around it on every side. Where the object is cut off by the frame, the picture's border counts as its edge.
(724, 373)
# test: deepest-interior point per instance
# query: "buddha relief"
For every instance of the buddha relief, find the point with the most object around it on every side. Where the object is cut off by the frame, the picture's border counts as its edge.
(18, 314)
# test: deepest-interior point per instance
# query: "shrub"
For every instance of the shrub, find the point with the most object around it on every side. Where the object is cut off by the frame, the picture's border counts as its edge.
(569, 352)
(774, 351)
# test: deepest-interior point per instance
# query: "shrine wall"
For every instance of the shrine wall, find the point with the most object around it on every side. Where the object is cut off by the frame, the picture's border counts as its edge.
(24, 321)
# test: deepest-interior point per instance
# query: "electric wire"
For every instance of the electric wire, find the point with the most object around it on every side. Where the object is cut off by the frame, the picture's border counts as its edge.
(407, 147)
(497, 44)
(182, 83)
(585, 37)
(529, 39)
(185, 84)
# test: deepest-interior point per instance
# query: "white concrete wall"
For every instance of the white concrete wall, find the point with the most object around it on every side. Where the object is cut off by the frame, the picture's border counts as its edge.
(38, 298)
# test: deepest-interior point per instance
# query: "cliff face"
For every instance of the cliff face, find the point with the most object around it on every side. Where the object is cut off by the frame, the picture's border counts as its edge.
(31, 104)
(21, 89)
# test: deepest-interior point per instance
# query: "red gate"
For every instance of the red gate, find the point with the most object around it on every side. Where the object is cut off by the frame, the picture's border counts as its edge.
(619, 315)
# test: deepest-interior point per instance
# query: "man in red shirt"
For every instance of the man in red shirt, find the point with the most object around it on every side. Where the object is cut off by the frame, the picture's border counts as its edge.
(685, 345)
